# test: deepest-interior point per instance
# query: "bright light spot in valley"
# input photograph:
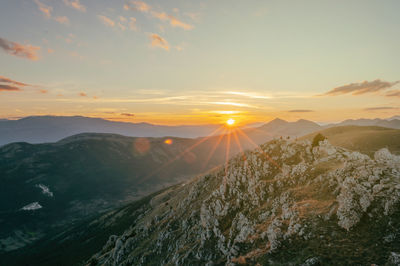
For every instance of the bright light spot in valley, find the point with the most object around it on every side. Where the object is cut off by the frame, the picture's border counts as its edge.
(168, 141)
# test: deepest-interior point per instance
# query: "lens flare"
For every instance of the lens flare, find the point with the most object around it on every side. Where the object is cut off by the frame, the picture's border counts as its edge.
(168, 141)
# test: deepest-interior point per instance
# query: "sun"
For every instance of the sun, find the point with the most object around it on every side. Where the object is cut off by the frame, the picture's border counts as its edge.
(230, 122)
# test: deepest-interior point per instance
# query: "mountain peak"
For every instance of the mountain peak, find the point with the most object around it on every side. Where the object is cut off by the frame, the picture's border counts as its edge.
(277, 119)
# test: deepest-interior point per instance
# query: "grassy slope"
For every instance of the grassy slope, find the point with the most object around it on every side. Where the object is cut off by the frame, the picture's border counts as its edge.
(366, 140)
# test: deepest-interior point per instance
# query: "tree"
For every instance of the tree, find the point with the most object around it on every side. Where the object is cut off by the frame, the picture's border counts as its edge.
(319, 137)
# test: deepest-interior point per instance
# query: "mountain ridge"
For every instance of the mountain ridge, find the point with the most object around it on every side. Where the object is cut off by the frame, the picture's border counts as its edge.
(299, 199)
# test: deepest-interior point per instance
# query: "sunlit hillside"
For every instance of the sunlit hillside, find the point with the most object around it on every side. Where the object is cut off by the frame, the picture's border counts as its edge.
(367, 139)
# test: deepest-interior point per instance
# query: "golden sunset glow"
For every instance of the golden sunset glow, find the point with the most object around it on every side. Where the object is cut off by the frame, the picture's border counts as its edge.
(230, 122)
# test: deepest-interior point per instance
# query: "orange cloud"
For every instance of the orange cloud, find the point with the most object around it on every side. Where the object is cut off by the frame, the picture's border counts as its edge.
(45, 9)
(8, 80)
(82, 94)
(50, 51)
(106, 21)
(158, 41)
(141, 6)
(173, 21)
(25, 51)
(75, 4)
(43, 91)
(11, 85)
(4, 87)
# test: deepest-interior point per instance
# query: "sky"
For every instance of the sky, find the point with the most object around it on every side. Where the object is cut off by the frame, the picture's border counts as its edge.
(200, 62)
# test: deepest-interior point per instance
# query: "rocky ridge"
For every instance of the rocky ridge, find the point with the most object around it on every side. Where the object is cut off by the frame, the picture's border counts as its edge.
(284, 203)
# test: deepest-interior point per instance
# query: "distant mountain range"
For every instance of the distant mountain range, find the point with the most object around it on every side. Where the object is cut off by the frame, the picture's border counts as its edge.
(44, 129)
(390, 123)
(41, 129)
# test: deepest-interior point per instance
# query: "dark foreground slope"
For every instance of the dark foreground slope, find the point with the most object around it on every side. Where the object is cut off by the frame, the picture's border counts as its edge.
(73, 244)
(45, 186)
(286, 203)
(366, 139)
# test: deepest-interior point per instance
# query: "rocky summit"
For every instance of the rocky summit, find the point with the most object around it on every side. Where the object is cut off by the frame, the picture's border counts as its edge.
(285, 203)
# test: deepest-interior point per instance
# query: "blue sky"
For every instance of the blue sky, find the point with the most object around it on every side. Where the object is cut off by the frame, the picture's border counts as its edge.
(184, 62)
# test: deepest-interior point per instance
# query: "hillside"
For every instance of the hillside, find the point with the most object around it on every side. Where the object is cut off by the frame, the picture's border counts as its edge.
(366, 139)
(285, 203)
(44, 186)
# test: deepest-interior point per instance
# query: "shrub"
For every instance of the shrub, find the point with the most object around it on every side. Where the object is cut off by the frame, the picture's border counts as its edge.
(319, 137)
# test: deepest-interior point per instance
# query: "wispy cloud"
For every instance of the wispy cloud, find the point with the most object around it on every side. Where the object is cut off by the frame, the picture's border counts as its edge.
(300, 111)
(106, 21)
(379, 108)
(10, 81)
(62, 20)
(247, 94)
(173, 21)
(233, 104)
(128, 114)
(7, 84)
(158, 41)
(146, 8)
(75, 4)
(82, 94)
(393, 93)
(160, 100)
(362, 87)
(226, 112)
(5, 87)
(25, 51)
(137, 5)
(47, 10)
